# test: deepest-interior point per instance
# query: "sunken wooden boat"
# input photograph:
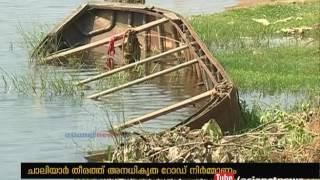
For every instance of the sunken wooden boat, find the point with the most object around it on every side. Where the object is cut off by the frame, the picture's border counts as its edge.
(131, 35)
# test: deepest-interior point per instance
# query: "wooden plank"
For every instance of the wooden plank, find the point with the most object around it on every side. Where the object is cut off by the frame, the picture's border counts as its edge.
(209, 73)
(69, 19)
(137, 81)
(212, 59)
(132, 65)
(130, 19)
(147, 46)
(160, 35)
(176, 38)
(171, 15)
(198, 72)
(195, 54)
(161, 44)
(120, 7)
(164, 111)
(105, 41)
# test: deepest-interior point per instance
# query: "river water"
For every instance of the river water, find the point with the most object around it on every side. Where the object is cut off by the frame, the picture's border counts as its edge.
(37, 129)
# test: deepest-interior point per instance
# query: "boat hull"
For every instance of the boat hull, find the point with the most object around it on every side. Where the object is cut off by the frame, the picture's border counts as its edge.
(97, 26)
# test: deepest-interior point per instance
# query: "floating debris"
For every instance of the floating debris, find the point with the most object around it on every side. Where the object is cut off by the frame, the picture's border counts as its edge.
(283, 20)
(264, 22)
(293, 31)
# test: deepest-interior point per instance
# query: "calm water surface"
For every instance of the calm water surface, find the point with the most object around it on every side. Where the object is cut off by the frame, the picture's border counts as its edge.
(34, 129)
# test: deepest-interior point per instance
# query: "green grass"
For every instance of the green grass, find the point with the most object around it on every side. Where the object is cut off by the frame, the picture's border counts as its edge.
(30, 39)
(40, 83)
(254, 62)
(274, 69)
(229, 26)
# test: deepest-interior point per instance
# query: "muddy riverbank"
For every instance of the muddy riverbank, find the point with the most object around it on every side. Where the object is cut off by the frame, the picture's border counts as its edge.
(255, 3)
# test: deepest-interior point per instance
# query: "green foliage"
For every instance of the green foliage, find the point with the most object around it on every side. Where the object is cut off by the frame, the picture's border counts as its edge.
(42, 83)
(259, 58)
(250, 116)
(291, 68)
(212, 129)
(32, 38)
(231, 26)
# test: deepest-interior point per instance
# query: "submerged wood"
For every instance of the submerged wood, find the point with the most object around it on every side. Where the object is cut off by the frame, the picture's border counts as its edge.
(152, 76)
(108, 73)
(164, 111)
(158, 31)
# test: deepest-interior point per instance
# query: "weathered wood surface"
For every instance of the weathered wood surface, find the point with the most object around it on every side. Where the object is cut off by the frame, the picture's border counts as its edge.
(152, 76)
(104, 41)
(164, 111)
(201, 63)
(225, 109)
(129, 1)
(106, 74)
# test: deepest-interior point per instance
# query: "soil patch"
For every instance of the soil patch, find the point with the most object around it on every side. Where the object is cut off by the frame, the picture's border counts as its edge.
(253, 3)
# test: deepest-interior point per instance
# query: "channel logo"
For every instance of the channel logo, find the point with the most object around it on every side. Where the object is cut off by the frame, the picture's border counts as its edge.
(224, 176)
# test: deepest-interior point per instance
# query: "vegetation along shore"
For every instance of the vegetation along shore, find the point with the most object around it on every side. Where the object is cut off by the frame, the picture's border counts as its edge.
(270, 47)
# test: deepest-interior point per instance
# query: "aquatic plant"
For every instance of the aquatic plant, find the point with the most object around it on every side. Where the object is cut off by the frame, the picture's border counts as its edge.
(42, 83)
(30, 39)
(250, 116)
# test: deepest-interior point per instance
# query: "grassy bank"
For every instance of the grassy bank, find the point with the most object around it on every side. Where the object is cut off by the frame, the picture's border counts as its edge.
(262, 56)
(230, 26)
(273, 69)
